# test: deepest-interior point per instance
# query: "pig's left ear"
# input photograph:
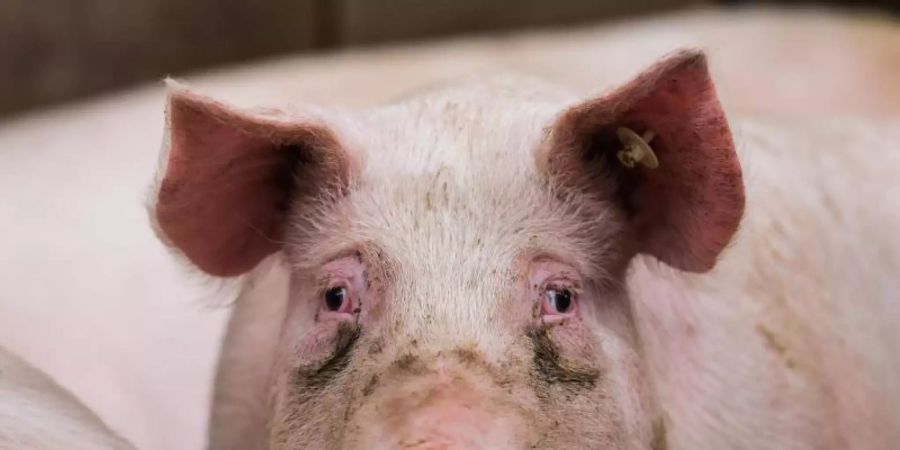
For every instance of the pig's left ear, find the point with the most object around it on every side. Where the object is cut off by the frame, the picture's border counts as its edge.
(229, 178)
(683, 198)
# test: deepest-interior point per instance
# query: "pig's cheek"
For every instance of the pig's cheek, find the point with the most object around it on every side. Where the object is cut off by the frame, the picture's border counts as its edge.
(318, 341)
(573, 340)
(324, 316)
(372, 308)
(562, 321)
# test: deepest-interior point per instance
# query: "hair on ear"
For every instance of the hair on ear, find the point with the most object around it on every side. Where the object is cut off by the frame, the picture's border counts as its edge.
(684, 207)
(229, 177)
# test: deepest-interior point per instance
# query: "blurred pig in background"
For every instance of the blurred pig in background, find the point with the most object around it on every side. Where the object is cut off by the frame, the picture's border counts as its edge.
(96, 302)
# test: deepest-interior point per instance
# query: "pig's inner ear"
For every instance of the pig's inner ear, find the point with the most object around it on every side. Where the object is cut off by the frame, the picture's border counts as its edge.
(683, 210)
(230, 178)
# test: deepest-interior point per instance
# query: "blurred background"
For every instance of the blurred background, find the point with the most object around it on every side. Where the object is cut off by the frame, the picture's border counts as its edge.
(59, 50)
(92, 298)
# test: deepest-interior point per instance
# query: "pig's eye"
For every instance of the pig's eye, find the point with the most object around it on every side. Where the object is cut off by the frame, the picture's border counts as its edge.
(558, 301)
(337, 299)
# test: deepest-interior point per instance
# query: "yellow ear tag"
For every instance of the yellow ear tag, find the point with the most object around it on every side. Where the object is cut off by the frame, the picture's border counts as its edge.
(636, 149)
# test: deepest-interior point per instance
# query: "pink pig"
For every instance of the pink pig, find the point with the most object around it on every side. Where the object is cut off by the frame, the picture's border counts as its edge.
(493, 266)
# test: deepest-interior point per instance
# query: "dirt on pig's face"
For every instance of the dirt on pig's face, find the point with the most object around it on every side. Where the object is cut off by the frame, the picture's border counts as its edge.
(451, 299)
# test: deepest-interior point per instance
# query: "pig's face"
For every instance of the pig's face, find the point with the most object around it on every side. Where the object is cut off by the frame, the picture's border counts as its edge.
(452, 300)
(458, 259)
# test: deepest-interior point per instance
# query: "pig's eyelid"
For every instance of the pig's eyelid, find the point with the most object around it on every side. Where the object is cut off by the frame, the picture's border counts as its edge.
(323, 281)
(351, 250)
(562, 282)
(326, 282)
(571, 268)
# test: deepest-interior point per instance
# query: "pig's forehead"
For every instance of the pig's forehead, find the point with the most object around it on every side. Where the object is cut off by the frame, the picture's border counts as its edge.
(493, 123)
(449, 186)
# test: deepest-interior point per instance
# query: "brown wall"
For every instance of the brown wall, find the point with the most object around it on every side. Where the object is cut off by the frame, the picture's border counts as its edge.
(56, 50)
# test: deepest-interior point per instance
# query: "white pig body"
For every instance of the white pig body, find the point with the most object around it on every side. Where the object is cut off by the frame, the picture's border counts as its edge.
(37, 414)
(788, 343)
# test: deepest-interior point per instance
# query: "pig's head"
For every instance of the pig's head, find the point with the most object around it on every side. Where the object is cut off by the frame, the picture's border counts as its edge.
(458, 259)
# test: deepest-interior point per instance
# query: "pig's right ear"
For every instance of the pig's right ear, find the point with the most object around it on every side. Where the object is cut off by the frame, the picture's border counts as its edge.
(680, 185)
(229, 177)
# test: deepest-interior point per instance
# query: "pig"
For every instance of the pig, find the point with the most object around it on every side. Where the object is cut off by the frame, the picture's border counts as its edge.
(118, 306)
(38, 414)
(483, 266)
(498, 264)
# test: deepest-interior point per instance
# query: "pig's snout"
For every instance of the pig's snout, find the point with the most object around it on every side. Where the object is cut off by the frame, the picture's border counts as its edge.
(443, 410)
(444, 418)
